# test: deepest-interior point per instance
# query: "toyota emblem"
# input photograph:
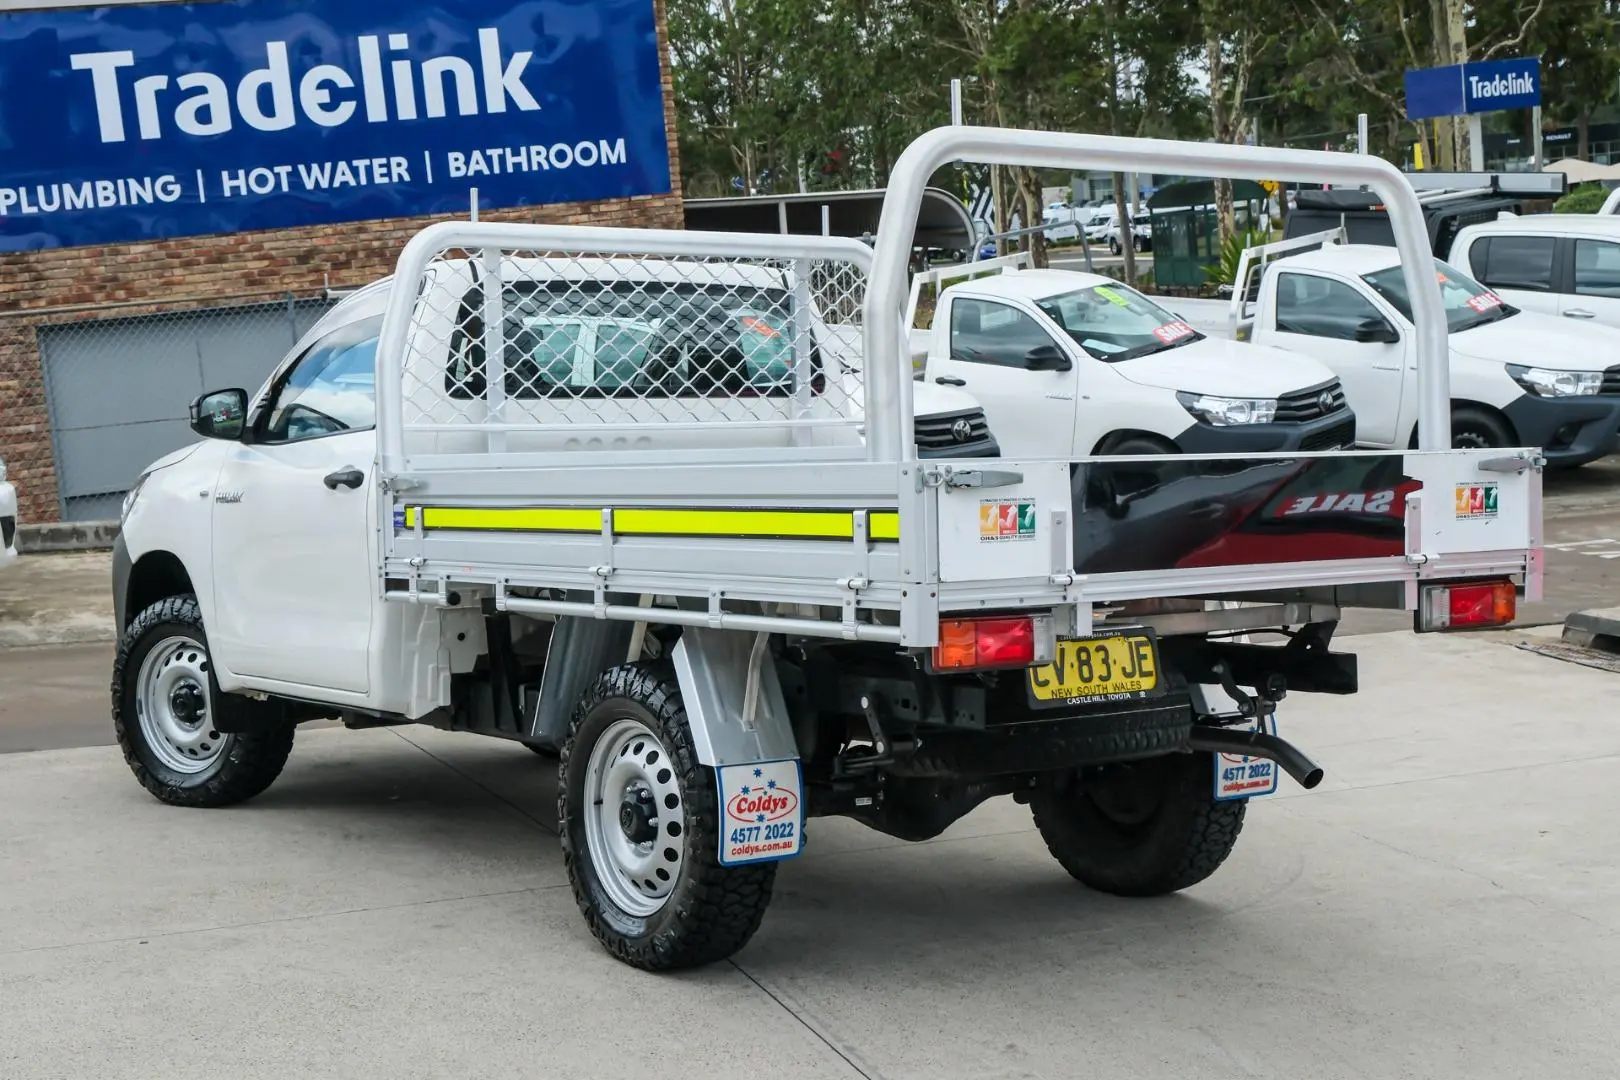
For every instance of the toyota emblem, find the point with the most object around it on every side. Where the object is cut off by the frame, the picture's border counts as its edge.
(962, 431)
(1324, 401)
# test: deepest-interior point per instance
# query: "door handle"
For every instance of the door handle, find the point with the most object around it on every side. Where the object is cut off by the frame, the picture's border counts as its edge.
(1580, 313)
(349, 477)
(949, 380)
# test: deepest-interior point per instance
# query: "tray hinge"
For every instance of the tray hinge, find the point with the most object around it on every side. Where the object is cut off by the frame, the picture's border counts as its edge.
(948, 476)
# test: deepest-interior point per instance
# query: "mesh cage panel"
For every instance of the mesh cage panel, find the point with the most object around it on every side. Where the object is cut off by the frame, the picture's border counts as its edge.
(518, 349)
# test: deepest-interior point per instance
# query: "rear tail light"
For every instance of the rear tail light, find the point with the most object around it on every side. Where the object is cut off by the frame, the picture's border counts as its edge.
(1459, 606)
(1000, 642)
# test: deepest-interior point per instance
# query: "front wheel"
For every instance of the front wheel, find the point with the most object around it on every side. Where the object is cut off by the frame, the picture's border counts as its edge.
(166, 703)
(640, 827)
(1476, 429)
(1141, 828)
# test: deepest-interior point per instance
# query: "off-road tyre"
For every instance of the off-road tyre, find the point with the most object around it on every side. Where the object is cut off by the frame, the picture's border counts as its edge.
(1182, 837)
(712, 910)
(249, 764)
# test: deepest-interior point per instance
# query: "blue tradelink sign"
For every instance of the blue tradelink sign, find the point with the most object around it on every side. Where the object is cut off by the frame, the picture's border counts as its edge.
(1484, 86)
(1491, 85)
(140, 122)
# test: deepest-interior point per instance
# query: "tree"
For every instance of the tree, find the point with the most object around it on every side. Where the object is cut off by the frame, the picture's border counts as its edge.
(1236, 37)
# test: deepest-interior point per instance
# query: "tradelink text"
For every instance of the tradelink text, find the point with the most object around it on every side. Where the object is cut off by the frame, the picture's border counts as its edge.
(201, 103)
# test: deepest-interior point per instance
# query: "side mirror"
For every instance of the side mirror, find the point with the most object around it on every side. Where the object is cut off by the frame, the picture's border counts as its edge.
(221, 414)
(1377, 331)
(1047, 358)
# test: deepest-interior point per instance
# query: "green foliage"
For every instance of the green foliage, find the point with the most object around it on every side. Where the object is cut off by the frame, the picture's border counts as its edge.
(1225, 269)
(1582, 199)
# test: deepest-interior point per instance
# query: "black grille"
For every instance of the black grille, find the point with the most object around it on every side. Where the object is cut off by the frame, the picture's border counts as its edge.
(1339, 435)
(8, 531)
(1611, 381)
(939, 432)
(1307, 404)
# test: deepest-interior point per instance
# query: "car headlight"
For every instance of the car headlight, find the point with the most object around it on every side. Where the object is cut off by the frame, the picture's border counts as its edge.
(1545, 382)
(129, 498)
(1229, 412)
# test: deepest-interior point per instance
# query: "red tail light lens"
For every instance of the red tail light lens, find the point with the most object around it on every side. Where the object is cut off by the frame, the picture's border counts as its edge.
(966, 644)
(1476, 604)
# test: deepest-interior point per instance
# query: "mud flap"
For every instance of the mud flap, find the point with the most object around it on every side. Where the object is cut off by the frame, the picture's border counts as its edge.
(741, 728)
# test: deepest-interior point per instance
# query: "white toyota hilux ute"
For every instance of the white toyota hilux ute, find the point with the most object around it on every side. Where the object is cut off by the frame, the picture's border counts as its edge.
(615, 495)
(1518, 377)
(1067, 363)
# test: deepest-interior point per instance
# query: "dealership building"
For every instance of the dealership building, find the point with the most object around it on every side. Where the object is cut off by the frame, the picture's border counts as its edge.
(186, 187)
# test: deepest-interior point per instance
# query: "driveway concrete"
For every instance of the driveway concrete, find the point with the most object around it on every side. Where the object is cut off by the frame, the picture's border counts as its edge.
(395, 907)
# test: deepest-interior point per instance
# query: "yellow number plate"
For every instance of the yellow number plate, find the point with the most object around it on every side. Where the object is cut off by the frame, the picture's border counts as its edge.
(1098, 669)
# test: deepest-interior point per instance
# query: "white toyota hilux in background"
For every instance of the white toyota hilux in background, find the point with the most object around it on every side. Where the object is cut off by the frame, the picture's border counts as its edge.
(1518, 378)
(1068, 363)
(8, 519)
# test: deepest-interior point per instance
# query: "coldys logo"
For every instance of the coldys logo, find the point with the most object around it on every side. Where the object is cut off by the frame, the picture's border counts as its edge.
(1476, 500)
(999, 521)
(763, 804)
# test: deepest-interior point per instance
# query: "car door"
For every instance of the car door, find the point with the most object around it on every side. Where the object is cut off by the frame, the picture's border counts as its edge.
(295, 578)
(1029, 400)
(1594, 290)
(1323, 318)
(1518, 267)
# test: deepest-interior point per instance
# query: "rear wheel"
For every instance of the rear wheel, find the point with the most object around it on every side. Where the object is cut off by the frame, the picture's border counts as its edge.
(167, 707)
(1142, 828)
(639, 820)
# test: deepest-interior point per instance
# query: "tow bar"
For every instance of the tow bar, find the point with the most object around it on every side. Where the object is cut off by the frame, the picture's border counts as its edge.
(1258, 744)
(1219, 740)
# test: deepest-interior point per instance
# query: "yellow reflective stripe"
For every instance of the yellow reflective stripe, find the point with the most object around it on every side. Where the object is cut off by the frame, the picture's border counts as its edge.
(882, 525)
(796, 524)
(515, 518)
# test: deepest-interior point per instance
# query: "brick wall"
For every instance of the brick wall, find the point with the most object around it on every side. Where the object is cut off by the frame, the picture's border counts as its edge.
(122, 280)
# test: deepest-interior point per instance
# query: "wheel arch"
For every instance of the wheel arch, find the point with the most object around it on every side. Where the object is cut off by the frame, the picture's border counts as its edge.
(1114, 438)
(156, 575)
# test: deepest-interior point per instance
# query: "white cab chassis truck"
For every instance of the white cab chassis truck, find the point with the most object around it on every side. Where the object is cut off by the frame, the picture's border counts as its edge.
(631, 516)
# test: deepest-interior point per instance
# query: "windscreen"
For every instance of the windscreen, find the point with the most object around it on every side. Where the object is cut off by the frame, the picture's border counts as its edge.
(1468, 303)
(1112, 322)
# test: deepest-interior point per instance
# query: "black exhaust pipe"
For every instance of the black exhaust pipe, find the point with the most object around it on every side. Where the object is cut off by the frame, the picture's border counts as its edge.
(1258, 744)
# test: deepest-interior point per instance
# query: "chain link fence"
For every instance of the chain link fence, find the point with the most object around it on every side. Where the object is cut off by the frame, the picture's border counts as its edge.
(118, 380)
